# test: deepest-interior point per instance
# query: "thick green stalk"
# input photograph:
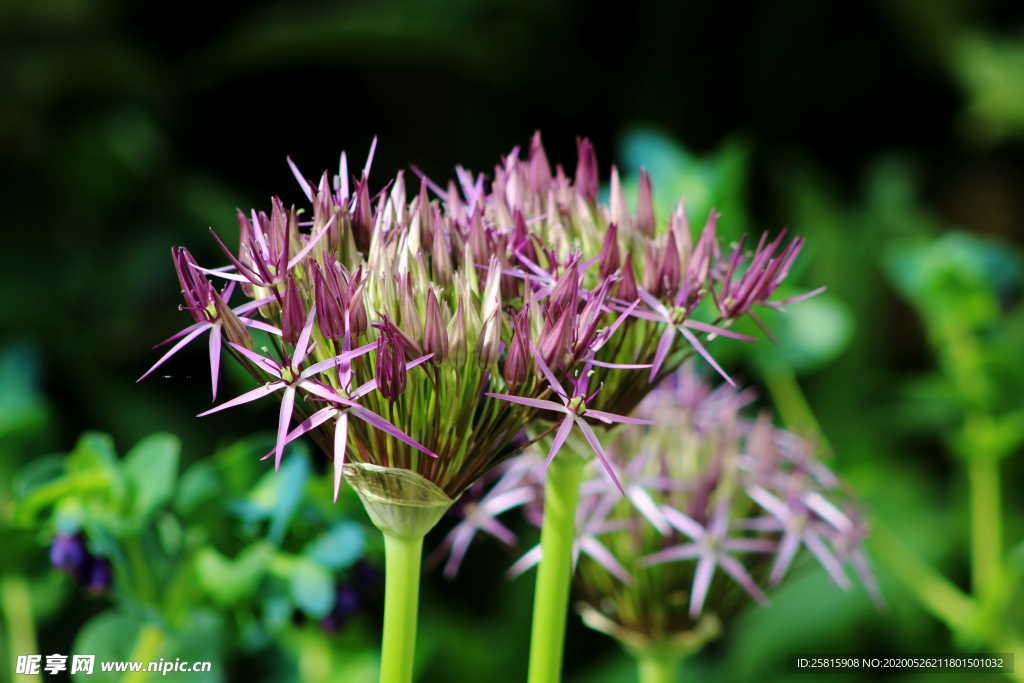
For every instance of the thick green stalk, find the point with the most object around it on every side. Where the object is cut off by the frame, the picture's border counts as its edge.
(401, 601)
(986, 527)
(658, 668)
(551, 595)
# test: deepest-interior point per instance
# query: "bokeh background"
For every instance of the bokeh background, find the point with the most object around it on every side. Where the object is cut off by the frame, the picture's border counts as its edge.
(889, 134)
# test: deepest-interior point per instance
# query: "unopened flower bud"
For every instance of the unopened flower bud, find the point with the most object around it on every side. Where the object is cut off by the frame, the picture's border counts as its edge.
(293, 314)
(435, 329)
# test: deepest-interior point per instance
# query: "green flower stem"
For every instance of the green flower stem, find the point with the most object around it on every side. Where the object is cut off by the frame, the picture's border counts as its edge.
(401, 600)
(659, 668)
(986, 528)
(19, 623)
(551, 596)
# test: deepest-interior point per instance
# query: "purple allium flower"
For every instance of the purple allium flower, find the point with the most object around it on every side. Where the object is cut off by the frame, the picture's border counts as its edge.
(526, 294)
(716, 507)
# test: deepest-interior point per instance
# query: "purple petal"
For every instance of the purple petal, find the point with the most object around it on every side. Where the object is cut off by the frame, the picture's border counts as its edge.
(794, 299)
(259, 325)
(664, 344)
(284, 419)
(695, 343)
(217, 272)
(252, 305)
(827, 559)
(770, 503)
(507, 500)
(181, 333)
(461, 537)
(619, 366)
(560, 436)
(684, 523)
(177, 347)
(310, 423)
(749, 545)
(268, 365)
(257, 393)
(538, 403)
(317, 368)
(310, 244)
(498, 530)
(340, 443)
(829, 512)
(733, 568)
(326, 393)
(701, 582)
(648, 508)
(592, 547)
(684, 551)
(372, 418)
(591, 437)
(550, 376)
(215, 336)
(524, 563)
(655, 305)
(787, 550)
(612, 417)
(720, 331)
(302, 343)
(306, 189)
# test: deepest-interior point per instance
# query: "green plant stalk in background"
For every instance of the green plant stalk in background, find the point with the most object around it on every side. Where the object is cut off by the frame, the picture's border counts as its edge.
(401, 600)
(554, 575)
(986, 527)
(659, 668)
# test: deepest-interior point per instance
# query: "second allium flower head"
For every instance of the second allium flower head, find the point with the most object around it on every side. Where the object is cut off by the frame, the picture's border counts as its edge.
(426, 332)
(717, 508)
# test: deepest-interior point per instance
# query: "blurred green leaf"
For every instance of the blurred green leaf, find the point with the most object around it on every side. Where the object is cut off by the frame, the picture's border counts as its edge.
(151, 467)
(340, 547)
(110, 635)
(229, 581)
(312, 587)
(810, 333)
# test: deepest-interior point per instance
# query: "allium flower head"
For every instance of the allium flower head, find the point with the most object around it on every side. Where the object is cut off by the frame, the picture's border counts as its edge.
(489, 305)
(718, 508)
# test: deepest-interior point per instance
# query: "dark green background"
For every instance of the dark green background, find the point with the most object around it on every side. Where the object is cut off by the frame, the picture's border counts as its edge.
(128, 127)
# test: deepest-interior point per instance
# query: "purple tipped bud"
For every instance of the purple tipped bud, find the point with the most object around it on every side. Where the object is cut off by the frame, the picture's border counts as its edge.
(540, 169)
(435, 329)
(586, 170)
(195, 288)
(567, 292)
(651, 276)
(68, 552)
(669, 275)
(610, 251)
(627, 285)
(517, 362)
(330, 313)
(391, 373)
(293, 315)
(645, 205)
(556, 337)
(234, 330)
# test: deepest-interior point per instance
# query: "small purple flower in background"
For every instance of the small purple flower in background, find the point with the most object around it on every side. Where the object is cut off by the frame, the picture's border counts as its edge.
(69, 554)
(346, 604)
